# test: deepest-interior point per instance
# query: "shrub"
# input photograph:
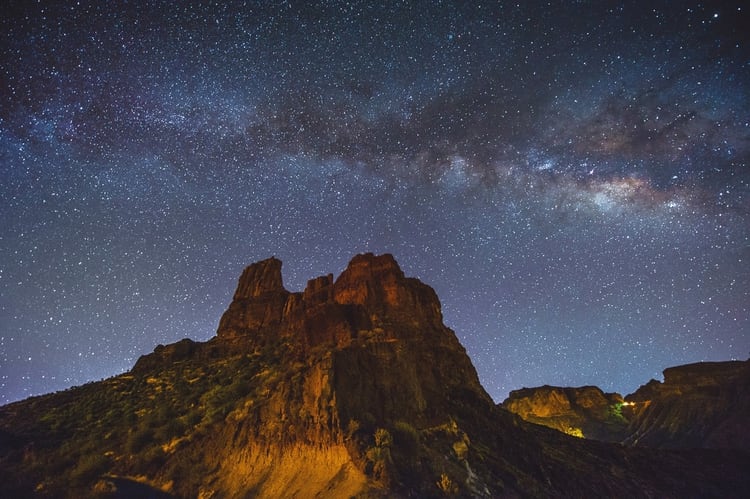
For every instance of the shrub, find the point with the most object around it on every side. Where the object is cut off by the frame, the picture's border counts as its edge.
(383, 438)
(89, 468)
(446, 485)
(172, 428)
(352, 428)
(406, 437)
(138, 439)
(193, 418)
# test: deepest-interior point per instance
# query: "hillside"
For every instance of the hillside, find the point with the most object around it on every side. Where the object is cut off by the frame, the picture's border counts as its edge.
(703, 405)
(352, 388)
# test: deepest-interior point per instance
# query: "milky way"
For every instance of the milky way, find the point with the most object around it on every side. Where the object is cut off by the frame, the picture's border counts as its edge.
(572, 178)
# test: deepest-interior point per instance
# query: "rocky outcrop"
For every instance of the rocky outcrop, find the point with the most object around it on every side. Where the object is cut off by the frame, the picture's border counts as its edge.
(585, 412)
(166, 355)
(353, 387)
(371, 293)
(377, 283)
(258, 305)
(366, 351)
(698, 405)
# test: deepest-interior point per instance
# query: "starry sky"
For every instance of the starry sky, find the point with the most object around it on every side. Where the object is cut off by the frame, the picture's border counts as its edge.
(572, 177)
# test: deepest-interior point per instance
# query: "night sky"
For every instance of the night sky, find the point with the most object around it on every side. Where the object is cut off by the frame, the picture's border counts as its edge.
(573, 178)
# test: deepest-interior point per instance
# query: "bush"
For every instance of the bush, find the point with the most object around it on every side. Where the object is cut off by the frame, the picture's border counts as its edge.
(446, 485)
(138, 439)
(383, 438)
(154, 458)
(406, 437)
(193, 418)
(172, 428)
(89, 468)
(352, 428)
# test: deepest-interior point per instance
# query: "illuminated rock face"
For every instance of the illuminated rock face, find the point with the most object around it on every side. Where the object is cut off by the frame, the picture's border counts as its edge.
(372, 321)
(584, 412)
(366, 351)
(259, 280)
(258, 304)
(371, 293)
(378, 284)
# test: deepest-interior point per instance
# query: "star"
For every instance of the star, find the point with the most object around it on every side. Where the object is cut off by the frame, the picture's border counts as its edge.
(573, 183)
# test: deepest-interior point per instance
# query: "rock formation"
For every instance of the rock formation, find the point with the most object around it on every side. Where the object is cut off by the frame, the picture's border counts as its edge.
(353, 387)
(704, 405)
(585, 412)
(698, 405)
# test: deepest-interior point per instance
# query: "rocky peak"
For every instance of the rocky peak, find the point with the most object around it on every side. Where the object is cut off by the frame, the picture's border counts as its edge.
(369, 280)
(372, 321)
(698, 405)
(318, 291)
(371, 293)
(379, 284)
(259, 302)
(260, 278)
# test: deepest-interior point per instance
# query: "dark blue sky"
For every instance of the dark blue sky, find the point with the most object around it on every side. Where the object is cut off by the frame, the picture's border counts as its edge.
(571, 177)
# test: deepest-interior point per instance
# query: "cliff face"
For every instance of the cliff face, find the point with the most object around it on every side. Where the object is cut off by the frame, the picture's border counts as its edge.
(360, 354)
(353, 387)
(698, 405)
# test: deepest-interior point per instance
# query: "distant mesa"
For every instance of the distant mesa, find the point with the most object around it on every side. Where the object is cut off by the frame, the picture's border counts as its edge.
(354, 387)
(698, 405)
